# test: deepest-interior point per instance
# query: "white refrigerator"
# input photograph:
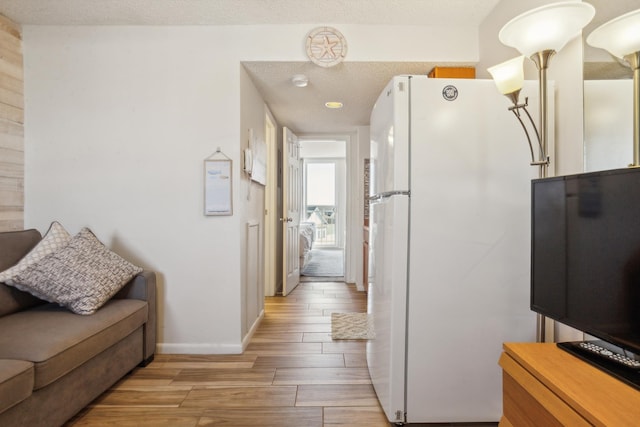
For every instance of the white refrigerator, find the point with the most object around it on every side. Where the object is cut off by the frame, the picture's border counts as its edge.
(449, 247)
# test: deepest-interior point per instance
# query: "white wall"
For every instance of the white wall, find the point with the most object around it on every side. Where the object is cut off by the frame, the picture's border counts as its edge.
(118, 122)
(252, 204)
(312, 148)
(608, 112)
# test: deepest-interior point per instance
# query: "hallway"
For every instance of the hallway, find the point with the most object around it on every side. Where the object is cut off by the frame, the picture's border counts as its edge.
(292, 374)
(325, 263)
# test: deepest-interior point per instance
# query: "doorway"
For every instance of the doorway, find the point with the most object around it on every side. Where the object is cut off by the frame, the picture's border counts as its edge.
(323, 223)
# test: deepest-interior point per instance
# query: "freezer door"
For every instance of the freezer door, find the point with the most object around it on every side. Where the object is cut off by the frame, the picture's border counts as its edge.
(389, 132)
(387, 302)
(469, 249)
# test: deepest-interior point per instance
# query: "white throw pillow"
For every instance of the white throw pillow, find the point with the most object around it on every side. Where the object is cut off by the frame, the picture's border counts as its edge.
(55, 238)
(81, 276)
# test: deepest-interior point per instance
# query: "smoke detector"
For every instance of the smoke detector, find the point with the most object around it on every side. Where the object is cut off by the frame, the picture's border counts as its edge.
(300, 80)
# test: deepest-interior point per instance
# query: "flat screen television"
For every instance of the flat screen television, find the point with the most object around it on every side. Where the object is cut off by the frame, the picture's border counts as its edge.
(585, 258)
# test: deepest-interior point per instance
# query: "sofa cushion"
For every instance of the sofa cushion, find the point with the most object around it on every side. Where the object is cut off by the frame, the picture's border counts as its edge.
(16, 382)
(81, 276)
(57, 340)
(12, 300)
(14, 245)
(55, 238)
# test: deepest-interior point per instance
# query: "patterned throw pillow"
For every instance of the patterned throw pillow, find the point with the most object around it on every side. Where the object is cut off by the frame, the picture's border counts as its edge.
(81, 276)
(55, 238)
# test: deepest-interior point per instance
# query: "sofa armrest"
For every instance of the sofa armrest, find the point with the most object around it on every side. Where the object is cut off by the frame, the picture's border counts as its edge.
(143, 287)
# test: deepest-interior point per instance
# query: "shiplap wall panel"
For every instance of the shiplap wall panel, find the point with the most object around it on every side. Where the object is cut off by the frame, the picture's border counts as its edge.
(11, 127)
(12, 99)
(9, 27)
(11, 84)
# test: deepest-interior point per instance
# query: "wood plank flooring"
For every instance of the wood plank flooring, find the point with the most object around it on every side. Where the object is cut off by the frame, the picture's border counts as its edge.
(291, 374)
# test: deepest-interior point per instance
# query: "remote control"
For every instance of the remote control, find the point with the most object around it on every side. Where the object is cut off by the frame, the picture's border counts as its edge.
(608, 354)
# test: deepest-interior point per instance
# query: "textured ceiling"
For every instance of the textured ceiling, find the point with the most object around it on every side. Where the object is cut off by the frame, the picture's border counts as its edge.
(245, 12)
(357, 85)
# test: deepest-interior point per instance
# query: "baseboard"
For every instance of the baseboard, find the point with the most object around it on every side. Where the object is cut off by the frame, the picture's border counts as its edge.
(359, 286)
(254, 327)
(192, 348)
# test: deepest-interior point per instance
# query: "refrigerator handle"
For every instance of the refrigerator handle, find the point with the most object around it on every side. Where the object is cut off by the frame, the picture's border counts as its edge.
(377, 198)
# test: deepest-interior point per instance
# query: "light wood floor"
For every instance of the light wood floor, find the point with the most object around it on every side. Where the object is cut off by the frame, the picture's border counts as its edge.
(292, 374)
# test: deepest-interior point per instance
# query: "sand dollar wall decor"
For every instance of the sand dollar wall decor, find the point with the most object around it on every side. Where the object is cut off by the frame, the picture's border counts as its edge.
(326, 46)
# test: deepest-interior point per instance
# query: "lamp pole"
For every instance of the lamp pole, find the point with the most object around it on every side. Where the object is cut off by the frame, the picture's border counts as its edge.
(541, 59)
(634, 60)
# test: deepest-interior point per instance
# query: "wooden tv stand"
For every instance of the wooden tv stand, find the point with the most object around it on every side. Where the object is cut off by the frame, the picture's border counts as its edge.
(543, 385)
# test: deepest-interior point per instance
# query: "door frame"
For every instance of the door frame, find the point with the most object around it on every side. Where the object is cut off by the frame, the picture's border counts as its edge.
(272, 224)
(353, 217)
(357, 149)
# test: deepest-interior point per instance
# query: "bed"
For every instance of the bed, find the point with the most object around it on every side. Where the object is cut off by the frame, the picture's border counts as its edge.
(307, 236)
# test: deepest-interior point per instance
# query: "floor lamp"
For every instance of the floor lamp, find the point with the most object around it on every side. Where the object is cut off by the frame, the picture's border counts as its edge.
(538, 34)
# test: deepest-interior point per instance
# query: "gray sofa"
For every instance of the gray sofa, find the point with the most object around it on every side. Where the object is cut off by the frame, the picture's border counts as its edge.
(54, 362)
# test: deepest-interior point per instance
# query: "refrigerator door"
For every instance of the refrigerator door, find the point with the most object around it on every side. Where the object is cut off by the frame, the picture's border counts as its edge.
(389, 130)
(469, 248)
(387, 298)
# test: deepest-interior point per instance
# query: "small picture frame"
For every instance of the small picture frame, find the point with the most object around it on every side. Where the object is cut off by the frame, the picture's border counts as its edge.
(217, 187)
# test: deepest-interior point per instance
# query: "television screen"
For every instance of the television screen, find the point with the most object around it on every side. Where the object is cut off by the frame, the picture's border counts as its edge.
(585, 269)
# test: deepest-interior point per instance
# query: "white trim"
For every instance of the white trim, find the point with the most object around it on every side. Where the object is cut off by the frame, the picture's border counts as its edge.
(350, 257)
(210, 348)
(201, 348)
(271, 227)
(254, 328)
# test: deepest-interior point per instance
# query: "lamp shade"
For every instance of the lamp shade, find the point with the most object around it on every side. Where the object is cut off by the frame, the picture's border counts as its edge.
(549, 27)
(620, 36)
(509, 75)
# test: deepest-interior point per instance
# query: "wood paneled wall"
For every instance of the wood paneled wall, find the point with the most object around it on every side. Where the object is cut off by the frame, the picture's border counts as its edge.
(11, 127)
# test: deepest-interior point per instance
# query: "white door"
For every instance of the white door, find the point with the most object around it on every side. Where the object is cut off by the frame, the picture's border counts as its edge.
(291, 200)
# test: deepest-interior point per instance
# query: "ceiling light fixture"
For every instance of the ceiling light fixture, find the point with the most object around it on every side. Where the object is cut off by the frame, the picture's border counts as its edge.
(300, 80)
(333, 104)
